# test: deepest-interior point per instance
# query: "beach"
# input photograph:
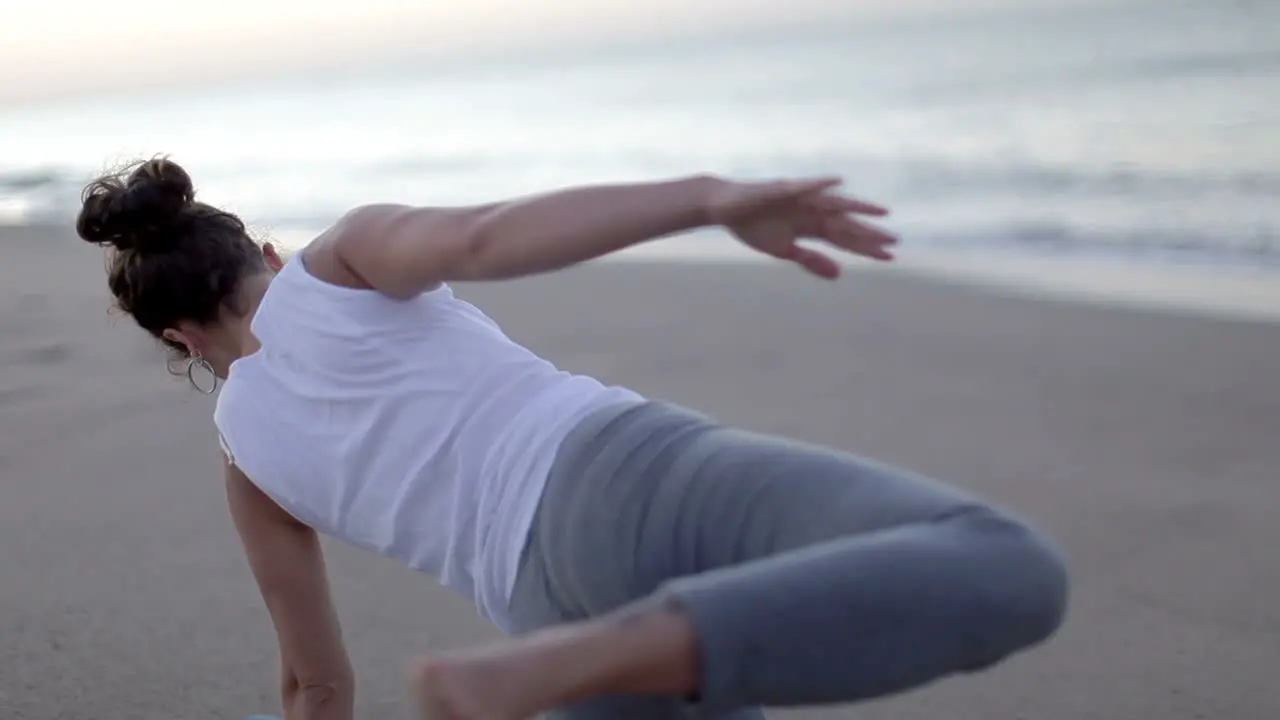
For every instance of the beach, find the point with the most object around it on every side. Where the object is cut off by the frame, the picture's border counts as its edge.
(1141, 440)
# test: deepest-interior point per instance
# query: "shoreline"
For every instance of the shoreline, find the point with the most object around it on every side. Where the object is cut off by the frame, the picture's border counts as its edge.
(1214, 292)
(1228, 292)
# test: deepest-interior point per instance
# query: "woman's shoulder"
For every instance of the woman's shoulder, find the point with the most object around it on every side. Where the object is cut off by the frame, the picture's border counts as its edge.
(321, 259)
(325, 263)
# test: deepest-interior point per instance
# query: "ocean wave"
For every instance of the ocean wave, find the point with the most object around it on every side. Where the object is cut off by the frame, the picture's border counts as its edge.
(913, 177)
(1114, 74)
(1133, 243)
(1122, 210)
(934, 179)
(27, 180)
(1238, 63)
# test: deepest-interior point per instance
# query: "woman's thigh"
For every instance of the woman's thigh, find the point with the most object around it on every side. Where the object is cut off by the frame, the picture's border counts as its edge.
(661, 492)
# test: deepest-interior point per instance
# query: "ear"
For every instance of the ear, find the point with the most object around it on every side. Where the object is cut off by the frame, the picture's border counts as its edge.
(272, 257)
(178, 336)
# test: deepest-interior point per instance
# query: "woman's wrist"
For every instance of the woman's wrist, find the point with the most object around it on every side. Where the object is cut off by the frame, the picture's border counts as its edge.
(707, 187)
(335, 701)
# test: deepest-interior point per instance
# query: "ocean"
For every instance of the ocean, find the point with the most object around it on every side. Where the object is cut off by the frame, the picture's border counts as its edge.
(1140, 132)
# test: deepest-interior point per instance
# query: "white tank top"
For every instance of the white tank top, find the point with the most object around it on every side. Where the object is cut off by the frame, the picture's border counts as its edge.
(414, 429)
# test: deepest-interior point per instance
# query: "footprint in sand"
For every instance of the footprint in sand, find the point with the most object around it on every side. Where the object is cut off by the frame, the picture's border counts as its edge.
(53, 353)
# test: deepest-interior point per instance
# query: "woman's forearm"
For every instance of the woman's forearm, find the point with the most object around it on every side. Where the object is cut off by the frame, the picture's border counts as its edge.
(555, 230)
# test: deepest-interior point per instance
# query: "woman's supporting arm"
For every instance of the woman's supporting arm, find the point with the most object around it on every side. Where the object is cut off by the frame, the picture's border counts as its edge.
(316, 682)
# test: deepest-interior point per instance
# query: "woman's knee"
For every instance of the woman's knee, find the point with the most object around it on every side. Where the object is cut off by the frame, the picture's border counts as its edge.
(1026, 582)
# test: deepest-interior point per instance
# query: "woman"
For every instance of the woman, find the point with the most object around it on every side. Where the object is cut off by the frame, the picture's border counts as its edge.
(649, 560)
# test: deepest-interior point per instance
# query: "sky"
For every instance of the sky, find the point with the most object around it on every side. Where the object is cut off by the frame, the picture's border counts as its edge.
(60, 47)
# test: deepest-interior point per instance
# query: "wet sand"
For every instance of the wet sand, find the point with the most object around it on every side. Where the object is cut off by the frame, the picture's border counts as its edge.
(1143, 441)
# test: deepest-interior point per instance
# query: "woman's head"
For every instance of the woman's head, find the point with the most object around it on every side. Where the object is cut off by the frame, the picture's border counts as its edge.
(187, 272)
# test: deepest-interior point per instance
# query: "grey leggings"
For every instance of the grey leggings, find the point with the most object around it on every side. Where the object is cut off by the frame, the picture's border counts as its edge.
(811, 576)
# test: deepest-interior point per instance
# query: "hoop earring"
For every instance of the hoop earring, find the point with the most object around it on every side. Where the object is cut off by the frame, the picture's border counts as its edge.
(198, 361)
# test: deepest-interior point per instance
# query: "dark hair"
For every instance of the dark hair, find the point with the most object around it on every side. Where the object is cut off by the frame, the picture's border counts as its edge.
(175, 258)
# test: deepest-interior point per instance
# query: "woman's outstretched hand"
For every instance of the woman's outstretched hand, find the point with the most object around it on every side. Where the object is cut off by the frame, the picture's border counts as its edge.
(772, 217)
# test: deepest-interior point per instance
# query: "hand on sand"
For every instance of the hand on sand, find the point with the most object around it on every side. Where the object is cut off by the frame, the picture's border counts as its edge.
(772, 217)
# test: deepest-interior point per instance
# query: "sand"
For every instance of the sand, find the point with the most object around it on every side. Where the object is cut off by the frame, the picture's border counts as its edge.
(1144, 441)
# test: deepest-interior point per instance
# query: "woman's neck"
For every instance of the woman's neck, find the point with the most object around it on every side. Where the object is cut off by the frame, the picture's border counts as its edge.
(239, 340)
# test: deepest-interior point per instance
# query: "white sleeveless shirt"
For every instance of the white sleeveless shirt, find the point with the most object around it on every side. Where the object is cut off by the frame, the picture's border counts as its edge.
(414, 429)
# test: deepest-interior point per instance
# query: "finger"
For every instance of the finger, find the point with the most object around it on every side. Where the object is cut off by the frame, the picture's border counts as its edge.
(848, 234)
(791, 189)
(833, 203)
(842, 227)
(814, 185)
(814, 262)
(874, 252)
(838, 228)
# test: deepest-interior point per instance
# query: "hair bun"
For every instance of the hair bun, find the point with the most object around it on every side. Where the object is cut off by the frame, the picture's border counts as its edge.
(140, 210)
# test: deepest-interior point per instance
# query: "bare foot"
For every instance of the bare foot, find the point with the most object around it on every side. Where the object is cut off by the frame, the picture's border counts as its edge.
(648, 652)
(491, 683)
(438, 694)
